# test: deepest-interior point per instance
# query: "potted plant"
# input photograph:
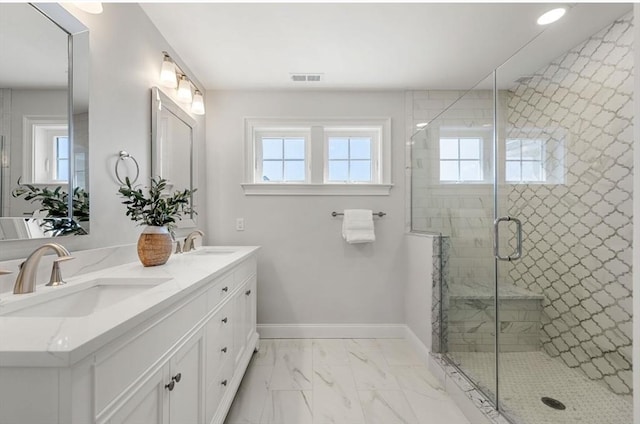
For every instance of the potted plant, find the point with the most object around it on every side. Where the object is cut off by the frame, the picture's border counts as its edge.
(159, 211)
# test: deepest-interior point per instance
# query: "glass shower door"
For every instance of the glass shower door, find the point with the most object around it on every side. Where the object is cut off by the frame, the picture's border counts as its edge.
(564, 185)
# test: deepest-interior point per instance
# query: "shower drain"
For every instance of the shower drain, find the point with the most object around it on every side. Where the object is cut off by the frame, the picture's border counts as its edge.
(553, 403)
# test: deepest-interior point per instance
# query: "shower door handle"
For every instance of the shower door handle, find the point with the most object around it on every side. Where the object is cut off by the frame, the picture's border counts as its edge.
(496, 239)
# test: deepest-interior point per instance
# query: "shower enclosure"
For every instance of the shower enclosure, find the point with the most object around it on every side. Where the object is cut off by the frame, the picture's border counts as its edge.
(527, 180)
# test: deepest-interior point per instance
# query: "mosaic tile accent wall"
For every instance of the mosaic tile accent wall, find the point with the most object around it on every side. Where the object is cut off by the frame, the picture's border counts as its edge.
(577, 234)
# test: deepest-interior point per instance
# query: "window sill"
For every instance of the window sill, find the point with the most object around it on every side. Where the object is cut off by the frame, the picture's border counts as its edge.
(253, 189)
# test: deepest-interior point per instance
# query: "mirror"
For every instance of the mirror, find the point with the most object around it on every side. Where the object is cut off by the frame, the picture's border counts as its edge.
(172, 132)
(43, 122)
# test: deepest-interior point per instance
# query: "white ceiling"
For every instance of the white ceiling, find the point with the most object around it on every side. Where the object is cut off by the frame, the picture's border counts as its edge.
(366, 45)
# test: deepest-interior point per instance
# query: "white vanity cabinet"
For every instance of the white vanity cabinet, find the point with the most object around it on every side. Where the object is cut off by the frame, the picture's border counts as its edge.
(183, 365)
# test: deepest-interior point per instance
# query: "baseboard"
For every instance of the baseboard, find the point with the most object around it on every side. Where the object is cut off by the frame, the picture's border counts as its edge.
(421, 349)
(332, 331)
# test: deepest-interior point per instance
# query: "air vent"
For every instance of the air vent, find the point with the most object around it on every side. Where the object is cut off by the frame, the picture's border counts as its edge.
(306, 77)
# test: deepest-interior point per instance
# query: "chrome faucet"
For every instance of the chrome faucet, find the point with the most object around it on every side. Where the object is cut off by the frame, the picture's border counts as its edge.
(189, 245)
(26, 281)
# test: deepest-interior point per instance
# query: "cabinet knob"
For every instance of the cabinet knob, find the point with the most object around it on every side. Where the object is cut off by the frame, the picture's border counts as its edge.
(225, 289)
(224, 350)
(248, 292)
(170, 386)
(177, 377)
(223, 382)
(225, 320)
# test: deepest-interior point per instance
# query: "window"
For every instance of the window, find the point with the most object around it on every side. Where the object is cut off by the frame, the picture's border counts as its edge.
(283, 159)
(461, 159)
(317, 156)
(524, 160)
(62, 158)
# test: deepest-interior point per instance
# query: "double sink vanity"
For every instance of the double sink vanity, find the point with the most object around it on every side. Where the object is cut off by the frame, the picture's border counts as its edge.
(129, 344)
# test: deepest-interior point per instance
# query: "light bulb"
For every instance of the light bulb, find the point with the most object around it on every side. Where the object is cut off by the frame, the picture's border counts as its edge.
(551, 16)
(168, 73)
(184, 90)
(197, 106)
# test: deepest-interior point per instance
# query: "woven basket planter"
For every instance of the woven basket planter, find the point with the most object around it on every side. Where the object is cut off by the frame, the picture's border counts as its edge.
(154, 246)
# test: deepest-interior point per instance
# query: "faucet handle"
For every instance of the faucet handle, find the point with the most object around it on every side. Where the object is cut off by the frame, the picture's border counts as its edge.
(178, 247)
(56, 274)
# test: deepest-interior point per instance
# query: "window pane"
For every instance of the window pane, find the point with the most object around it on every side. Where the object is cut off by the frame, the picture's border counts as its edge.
(338, 148)
(513, 149)
(272, 170)
(62, 147)
(470, 170)
(294, 170)
(532, 149)
(338, 170)
(271, 148)
(294, 148)
(62, 170)
(448, 170)
(512, 171)
(449, 148)
(361, 148)
(531, 171)
(469, 148)
(361, 170)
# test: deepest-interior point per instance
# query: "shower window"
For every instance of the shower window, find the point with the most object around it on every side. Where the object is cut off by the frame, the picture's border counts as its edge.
(525, 160)
(461, 159)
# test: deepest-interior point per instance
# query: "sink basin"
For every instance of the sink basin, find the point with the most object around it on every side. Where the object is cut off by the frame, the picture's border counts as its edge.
(81, 300)
(213, 251)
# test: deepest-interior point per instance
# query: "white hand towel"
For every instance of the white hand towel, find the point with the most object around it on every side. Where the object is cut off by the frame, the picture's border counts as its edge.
(357, 226)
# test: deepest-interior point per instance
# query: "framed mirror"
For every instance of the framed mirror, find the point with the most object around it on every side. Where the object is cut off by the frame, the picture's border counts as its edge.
(44, 114)
(172, 132)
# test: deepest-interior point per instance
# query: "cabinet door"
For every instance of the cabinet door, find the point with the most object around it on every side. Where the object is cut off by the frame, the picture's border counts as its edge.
(147, 405)
(245, 313)
(185, 400)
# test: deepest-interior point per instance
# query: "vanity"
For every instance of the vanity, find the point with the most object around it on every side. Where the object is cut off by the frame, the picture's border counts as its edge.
(129, 344)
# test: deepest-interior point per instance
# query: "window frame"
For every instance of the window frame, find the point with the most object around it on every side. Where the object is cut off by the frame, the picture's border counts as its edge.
(361, 132)
(458, 160)
(282, 133)
(316, 154)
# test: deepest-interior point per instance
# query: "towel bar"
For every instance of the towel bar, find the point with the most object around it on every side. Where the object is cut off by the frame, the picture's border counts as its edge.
(378, 214)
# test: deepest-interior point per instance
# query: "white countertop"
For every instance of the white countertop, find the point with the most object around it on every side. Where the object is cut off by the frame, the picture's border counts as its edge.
(52, 341)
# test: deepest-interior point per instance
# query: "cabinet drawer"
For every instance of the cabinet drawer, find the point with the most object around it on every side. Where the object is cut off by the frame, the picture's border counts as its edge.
(219, 341)
(221, 289)
(217, 389)
(130, 357)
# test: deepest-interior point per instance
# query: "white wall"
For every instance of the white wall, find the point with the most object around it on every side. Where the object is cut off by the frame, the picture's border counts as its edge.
(418, 294)
(307, 274)
(126, 55)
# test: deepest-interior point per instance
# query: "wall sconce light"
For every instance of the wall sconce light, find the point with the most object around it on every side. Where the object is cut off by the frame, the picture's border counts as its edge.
(173, 77)
(184, 90)
(95, 8)
(168, 73)
(197, 106)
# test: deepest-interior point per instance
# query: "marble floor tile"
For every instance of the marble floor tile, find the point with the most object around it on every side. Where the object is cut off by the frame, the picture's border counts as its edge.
(386, 407)
(400, 352)
(371, 371)
(288, 407)
(330, 351)
(362, 345)
(335, 398)
(293, 367)
(418, 379)
(430, 409)
(266, 355)
(248, 404)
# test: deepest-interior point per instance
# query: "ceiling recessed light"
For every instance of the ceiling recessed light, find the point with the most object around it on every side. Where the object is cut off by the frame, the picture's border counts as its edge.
(551, 16)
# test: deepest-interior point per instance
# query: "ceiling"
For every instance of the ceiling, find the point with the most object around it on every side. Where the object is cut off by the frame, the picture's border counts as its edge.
(366, 45)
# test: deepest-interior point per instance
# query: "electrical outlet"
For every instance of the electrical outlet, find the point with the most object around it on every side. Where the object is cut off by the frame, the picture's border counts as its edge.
(239, 224)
